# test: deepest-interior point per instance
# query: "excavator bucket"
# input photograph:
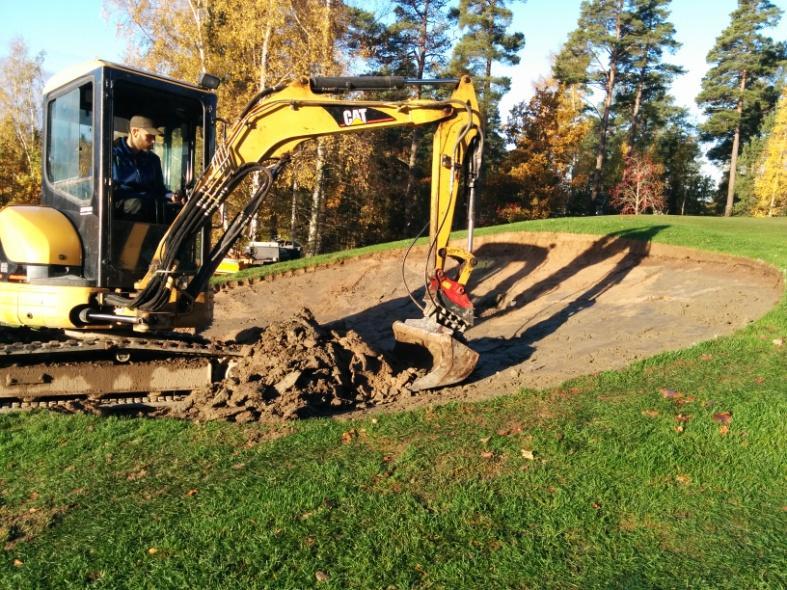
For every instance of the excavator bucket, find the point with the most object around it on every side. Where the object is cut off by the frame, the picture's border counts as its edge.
(452, 361)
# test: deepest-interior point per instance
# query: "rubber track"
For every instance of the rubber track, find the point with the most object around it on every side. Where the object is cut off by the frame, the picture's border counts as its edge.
(24, 351)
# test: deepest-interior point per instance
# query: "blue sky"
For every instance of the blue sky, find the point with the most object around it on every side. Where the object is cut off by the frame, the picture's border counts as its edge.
(73, 31)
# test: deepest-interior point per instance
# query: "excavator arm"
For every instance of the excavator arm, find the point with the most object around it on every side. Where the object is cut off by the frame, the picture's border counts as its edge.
(274, 123)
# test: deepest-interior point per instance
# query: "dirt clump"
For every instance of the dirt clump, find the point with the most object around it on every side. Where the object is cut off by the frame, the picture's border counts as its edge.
(298, 369)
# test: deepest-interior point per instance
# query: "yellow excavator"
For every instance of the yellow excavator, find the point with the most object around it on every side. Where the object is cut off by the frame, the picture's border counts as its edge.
(121, 288)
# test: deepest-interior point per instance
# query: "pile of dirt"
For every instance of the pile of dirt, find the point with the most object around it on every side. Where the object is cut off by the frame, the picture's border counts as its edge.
(297, 369)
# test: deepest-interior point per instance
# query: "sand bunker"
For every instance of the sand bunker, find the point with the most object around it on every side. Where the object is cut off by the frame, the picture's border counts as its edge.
(550, 307)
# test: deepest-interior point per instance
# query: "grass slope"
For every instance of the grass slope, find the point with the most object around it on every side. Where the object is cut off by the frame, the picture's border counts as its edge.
(602, 482)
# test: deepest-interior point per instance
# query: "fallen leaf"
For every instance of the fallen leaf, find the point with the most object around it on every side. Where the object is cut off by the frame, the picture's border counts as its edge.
(487, 454)
(682, 479)
(349, 436)
(724, 429)
(484, 439)
(706, 357)
(650, 413)
(683, 418)
(527, 454)
(596, 505)
(321, 576)
(669, 393)
(679, 428)
(684, 400)
(759, 380)
(152, 551)
(722, 417)
(18, 563)
(778, 341)
(192, 492)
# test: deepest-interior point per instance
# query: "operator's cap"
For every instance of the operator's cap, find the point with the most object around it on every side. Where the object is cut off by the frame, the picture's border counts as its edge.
(144, 123)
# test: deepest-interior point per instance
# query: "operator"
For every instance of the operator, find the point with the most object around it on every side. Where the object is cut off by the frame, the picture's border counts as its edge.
(136, 172)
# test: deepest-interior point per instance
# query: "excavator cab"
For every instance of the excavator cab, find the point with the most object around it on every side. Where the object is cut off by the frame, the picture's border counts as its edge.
(87, 113)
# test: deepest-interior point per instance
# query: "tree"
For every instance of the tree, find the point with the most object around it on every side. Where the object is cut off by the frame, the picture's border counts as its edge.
(421, 42)
(770, 186)
(677, 148)
(547, 133)
(593, 55)
(740, 85)
(645, 77)
(20, 124)
(485, 42)
(641, 188)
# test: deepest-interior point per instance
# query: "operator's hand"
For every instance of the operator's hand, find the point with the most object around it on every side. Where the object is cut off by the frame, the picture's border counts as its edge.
(177, 198)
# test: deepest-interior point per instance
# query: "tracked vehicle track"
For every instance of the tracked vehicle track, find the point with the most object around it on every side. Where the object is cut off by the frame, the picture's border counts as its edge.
(112, 368)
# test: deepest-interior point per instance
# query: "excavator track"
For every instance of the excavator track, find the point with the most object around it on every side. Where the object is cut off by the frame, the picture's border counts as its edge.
(114, 369)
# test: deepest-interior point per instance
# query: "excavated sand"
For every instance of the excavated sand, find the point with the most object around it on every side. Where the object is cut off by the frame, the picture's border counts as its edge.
(298, 369)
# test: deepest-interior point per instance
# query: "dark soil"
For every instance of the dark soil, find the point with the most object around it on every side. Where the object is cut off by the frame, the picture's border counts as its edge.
(298, 369)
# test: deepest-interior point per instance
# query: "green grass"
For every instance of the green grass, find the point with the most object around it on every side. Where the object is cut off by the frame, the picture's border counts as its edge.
(614, 495)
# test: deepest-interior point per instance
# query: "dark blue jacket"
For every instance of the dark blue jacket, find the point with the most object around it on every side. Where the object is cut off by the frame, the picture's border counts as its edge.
(136, 174)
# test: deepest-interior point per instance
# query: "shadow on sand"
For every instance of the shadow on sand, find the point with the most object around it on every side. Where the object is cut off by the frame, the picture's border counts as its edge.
(630, 246)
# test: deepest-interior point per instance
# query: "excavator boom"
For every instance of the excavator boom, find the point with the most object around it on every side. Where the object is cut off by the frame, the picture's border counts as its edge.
(261, 141)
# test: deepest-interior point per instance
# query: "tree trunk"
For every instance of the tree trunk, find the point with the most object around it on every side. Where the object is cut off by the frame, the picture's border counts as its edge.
(318, 194)
(734, 156)
(317, 200)
(601, 150)
(266, 40)
(294, 209)
(635, 116)
(415, 139)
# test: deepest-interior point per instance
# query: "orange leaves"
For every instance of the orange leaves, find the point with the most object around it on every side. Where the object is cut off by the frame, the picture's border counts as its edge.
(669, 393)
(682, 419)
(641, 188)
(723, 418)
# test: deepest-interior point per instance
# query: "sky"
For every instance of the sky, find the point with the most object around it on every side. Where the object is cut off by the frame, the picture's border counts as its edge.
(74, 31)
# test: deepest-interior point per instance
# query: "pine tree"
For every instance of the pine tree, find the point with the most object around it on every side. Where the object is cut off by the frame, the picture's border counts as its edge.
(420, 42)
(740, 86)
(594, 54)
(484, 42)
(645, 77)
(677, 147)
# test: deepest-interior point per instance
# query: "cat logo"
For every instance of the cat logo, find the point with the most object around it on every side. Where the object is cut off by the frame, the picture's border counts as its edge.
(349, 117)
(354, 116)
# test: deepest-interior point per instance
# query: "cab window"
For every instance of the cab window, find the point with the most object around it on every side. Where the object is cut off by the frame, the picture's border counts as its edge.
(69, 149)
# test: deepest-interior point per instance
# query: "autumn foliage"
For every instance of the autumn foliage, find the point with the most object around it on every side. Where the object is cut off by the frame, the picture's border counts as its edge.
(641, 188)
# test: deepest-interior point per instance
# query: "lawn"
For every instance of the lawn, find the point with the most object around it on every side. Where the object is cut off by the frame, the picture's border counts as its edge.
(668, 474)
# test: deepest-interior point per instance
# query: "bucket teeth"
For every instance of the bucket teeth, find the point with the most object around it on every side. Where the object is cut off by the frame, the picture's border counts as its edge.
(453, 361)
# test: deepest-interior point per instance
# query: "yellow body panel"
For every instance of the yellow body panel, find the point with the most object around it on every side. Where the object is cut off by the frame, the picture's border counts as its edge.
(39, 235)
(51, 306)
